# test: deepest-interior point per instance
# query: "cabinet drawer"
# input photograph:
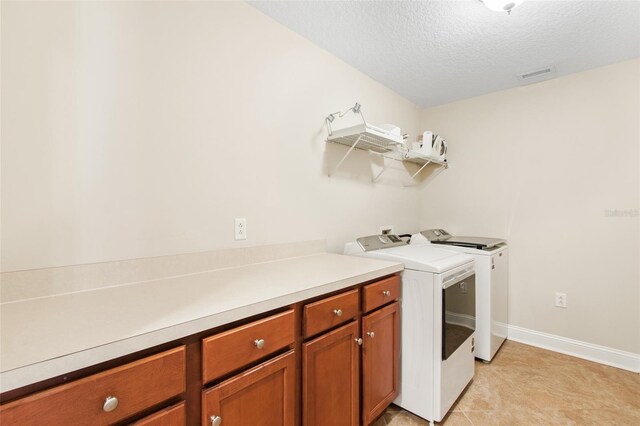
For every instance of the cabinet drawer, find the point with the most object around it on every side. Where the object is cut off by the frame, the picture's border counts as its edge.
(172, 416)
(136, 387)
(326, 313)
(264, 395)
(380, 293)
(240, 346)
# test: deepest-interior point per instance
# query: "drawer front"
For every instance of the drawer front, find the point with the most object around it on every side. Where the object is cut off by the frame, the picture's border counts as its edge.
(172, 416)
(264, 395)
(326, 313)
(136, 386)
(380, 293)
(240, 346)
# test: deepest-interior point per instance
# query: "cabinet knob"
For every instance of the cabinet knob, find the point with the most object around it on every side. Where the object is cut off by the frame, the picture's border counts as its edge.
(358, 341)
(110, 403)
(259, 343)
(216, 420)
(386, 293)
(337, 312)
(371, 334)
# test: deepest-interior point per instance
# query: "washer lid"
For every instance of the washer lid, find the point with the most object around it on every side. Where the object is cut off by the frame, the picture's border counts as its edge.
(480, 243)
(423, 258)
(440, 236)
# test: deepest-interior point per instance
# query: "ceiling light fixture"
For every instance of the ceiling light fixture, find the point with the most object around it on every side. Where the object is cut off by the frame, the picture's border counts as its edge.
(502, 5)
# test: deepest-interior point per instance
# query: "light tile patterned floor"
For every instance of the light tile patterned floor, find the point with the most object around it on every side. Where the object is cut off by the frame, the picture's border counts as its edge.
(524, 385)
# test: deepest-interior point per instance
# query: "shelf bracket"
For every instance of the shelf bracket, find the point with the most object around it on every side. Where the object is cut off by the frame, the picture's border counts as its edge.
(345, 156)
(384, 168)
(419, 170)
(440, 169)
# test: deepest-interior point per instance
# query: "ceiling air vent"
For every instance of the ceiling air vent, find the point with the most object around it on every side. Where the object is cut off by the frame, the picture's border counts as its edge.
(537, 75)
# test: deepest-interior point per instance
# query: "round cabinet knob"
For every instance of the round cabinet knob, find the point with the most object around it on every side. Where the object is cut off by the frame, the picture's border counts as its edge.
(358, 341)
(337, 312)
(216, 420)
(371, 334)
(110, 404)
(259, 343)
(386, 293)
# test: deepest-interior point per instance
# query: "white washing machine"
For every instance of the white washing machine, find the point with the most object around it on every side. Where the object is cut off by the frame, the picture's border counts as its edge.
(437, 322)
(492, 284)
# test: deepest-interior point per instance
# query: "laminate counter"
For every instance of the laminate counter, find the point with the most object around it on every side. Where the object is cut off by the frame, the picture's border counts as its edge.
(49, 336)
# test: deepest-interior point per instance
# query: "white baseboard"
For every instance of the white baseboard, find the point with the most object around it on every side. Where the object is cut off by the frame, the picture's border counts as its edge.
(589, 351)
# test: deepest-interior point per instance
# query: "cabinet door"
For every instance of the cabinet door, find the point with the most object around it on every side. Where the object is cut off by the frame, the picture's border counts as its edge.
(380, 360)
(330, 374)
(262, 396)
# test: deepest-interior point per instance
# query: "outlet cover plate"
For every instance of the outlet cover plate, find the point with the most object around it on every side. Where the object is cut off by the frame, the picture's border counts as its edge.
(386, 229)
(240, 228)
(561, 300)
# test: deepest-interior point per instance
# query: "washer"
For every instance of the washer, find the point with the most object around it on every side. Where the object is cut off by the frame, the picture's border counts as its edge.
(492, 284)
(437, 321)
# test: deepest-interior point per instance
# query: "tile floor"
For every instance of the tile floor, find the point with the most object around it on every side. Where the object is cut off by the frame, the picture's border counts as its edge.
(524, 385)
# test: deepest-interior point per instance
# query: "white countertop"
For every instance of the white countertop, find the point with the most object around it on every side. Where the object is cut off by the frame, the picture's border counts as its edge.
(48, 336)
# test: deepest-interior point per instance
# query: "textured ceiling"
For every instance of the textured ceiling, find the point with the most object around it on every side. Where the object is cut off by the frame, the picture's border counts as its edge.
(434, 52)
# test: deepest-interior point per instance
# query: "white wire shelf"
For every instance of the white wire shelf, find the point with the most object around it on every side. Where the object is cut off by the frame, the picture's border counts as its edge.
(367, 137)
(418, 158)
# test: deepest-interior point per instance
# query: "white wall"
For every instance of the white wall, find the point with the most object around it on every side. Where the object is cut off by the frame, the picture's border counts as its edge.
(541, 165)
(142, 129)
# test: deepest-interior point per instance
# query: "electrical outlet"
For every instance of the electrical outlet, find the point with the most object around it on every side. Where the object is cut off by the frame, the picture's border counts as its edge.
(241, 228)
(561, 300)
(386, 229)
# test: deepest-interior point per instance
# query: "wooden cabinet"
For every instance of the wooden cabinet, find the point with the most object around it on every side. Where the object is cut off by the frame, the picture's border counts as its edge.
(103, 398)
(262, 396)
(380, 360)
(327, 361)
(331, 376)
(331, 363)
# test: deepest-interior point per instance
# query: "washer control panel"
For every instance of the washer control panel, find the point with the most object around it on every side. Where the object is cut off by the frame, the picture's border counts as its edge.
(377, 242)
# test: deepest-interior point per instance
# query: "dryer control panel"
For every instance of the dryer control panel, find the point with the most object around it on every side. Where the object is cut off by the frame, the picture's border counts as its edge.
(436, 235)
(377, 242)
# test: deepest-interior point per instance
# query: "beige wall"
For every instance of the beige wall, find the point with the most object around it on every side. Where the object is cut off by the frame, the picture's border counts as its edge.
(541, 165)
(142, 129)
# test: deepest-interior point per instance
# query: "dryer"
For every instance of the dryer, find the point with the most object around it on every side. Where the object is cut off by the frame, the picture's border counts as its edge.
(437, 322)
(492, 284)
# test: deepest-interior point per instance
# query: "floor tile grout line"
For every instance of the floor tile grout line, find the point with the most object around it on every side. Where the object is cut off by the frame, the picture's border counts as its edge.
(467, 417)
